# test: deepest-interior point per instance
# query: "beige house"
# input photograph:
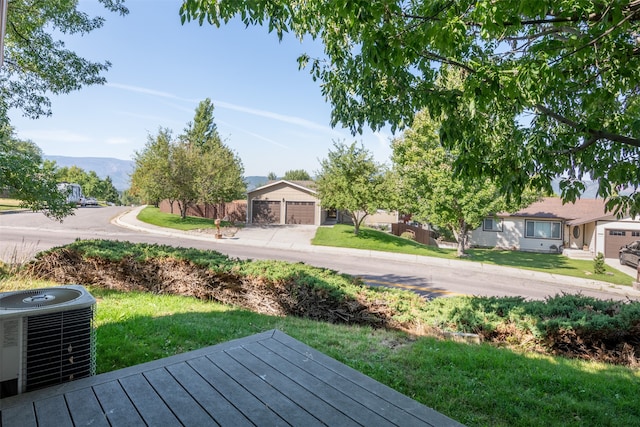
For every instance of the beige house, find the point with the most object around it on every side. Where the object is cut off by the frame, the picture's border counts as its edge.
(296, 202)
(285, 202)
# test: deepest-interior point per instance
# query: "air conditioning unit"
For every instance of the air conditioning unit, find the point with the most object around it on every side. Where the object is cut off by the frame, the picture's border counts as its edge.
(46, 338)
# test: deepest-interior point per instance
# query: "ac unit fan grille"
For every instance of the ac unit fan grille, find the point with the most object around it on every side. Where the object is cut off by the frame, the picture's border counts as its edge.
(59, 348)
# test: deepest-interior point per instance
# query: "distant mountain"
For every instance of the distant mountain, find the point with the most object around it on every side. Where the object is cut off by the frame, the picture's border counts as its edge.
(118, 170)
(255, 181)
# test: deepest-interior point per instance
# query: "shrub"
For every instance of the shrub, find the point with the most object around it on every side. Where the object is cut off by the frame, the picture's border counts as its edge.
(408, 235)
(598, 264)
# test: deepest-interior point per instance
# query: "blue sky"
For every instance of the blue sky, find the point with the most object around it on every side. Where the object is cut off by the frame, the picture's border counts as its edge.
(272, 114)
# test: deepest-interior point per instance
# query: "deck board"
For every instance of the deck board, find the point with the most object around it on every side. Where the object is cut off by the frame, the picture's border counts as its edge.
(268, 379)
(53, 412)
(220, 409)
(85, 409)
(116, 405)
(282, 380)
(151, 407)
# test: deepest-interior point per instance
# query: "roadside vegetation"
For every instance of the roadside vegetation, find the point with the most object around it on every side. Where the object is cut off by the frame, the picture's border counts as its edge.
(341, 235)
(152, 215)
(9, 204)
(514, 377)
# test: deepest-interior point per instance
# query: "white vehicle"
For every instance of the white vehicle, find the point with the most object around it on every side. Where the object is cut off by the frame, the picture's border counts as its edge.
(74, 193)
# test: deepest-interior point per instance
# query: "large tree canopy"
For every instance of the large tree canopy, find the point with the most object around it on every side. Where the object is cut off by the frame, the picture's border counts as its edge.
(565, 74)
(36, 64)
(432, 193)
(195, 167)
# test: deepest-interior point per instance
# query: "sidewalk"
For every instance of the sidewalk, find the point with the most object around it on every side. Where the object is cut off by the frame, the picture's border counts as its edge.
(298, 238)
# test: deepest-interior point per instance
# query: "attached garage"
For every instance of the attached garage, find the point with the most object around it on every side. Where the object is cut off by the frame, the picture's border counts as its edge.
(285, 202)
(265, 212)
(301, 213)
(616, 238)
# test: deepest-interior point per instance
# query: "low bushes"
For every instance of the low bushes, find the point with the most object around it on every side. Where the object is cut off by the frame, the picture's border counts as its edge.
(569, 325)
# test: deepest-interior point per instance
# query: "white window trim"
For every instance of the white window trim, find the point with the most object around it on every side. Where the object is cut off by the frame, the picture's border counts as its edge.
(526, 229)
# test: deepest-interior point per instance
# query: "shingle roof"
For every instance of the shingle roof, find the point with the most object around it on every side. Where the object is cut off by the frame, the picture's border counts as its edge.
(303, 185)
(580, 212)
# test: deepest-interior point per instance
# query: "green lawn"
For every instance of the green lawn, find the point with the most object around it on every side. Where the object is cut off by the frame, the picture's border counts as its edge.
(478, 385)
(9, 204)
(342, 236)
(153, 216)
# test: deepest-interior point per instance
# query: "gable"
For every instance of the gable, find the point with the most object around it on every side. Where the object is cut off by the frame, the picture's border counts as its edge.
(283, 190)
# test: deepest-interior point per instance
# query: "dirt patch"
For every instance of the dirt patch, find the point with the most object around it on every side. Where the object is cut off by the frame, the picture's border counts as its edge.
(171, 276)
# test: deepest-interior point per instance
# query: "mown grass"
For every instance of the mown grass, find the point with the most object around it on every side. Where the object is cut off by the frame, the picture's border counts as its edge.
(478, 385)
(9, 204)
(342, 236)
(153, 216)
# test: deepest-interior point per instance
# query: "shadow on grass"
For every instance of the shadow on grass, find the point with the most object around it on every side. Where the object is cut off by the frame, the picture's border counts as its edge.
(520, 259)
(342, 236)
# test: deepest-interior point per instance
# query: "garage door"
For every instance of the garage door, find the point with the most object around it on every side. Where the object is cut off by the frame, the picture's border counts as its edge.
(615, 238)
(301, 213)
(265, 212)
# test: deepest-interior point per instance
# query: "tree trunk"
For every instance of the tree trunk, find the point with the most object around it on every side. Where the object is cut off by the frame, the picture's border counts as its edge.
(357, 221)
(182, 204)
(462, 237)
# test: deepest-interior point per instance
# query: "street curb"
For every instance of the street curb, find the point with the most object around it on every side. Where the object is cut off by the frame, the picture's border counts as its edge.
(129, 220)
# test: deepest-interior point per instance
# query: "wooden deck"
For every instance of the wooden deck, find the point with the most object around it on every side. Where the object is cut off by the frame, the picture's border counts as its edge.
(268, 379)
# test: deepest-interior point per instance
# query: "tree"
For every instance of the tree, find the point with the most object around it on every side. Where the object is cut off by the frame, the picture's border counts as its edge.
(25, 177)
(196, 167)
(432, 192)
(350, 179)
(565, 74)
(36, 64)
(108, 192)
(272, 176)
(297, 175)
(218, 170)
(184, 169)
(92, 185)
(203, 130)
(151, 177)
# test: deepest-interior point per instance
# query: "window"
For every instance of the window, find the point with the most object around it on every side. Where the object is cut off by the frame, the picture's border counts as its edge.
(492, 224)
(617, 233)
(542, 229)
(635, 233)
(576, 231)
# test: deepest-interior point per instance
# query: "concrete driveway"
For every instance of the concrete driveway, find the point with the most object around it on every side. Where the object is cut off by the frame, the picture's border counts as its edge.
(285, 236)
(614, 263)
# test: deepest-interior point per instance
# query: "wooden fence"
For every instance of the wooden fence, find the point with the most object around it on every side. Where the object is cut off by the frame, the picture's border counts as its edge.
(426, 237)
(232, 211)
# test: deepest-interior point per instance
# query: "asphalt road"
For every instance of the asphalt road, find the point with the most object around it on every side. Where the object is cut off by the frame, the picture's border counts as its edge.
(23, 234)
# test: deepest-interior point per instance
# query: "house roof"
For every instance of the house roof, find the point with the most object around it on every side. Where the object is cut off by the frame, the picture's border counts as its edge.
(580, 212)
(308, 186)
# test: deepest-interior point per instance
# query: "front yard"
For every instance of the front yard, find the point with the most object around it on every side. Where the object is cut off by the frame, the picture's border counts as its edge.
(342, 236)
